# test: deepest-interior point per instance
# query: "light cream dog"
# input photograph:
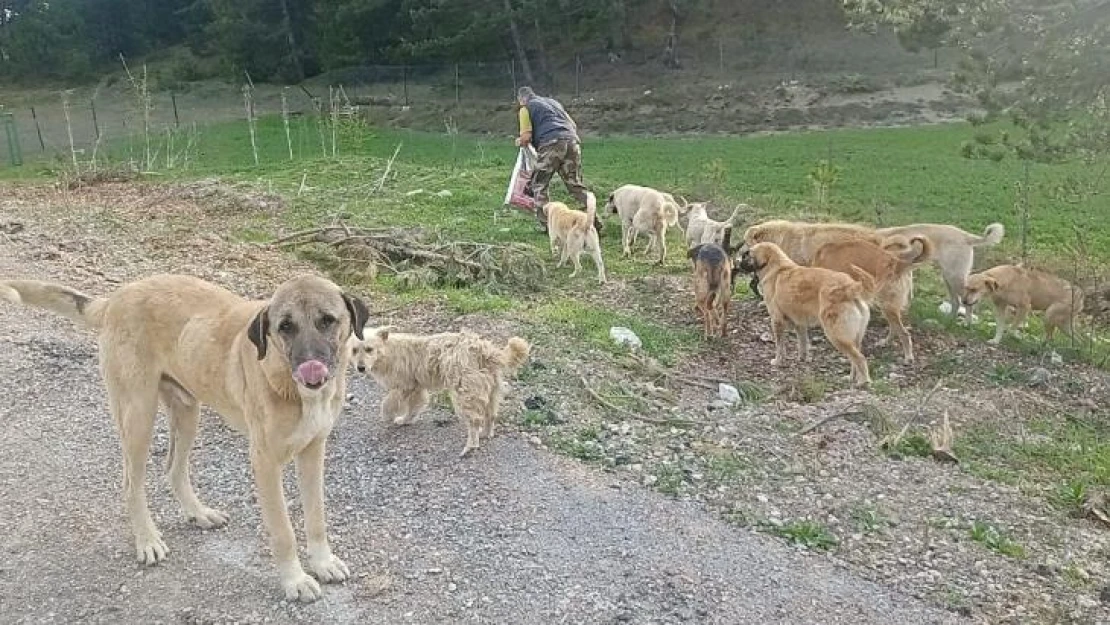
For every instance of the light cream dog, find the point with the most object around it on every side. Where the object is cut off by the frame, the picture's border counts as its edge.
(276, 371)
(953, 251)
(1016, 291)
(701, 229)
(470, 368)
(892, 266)
(644, 210)
(570, 232)
(802, 297)
(800, 240)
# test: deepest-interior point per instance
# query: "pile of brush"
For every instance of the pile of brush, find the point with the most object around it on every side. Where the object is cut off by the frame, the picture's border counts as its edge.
(420, 258)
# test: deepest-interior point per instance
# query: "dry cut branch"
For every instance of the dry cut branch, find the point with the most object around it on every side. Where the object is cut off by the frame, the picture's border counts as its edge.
(422, 258)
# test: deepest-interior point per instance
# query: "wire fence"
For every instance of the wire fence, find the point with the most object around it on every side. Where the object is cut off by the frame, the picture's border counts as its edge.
(76, 122)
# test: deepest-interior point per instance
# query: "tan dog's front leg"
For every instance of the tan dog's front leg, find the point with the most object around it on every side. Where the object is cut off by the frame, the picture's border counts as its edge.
(310, 469)
(271, 497)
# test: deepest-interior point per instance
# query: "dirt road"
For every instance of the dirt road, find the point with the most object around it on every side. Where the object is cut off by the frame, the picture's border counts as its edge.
(511, 535)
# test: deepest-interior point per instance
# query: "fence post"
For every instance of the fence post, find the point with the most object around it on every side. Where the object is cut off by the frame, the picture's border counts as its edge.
(14, 153)
(456, 83)
(512, 72)
(721, 55)
(405, 79)
(96, 126)
(577, 75)
(38, 129)
(176, 119)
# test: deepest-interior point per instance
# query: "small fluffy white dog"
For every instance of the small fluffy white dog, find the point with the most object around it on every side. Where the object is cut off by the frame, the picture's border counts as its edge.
(468, 367)
(644, 210)
(701, 229)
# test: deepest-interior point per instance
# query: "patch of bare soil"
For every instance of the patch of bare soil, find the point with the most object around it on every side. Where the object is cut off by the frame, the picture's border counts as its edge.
(714, 107)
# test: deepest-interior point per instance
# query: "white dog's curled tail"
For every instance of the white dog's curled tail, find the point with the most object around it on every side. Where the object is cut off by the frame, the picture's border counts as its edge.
(992, 235)
(67, 302)
(515, 353)
(591, 210)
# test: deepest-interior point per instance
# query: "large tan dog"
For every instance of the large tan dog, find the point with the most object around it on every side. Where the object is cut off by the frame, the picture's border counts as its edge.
(470, 368)
(800, 240)
(276, 371)
(644, 210)
(712, 287)
(892, 266)
(954, 251)
(571, 231)
(1016, 291)
(802, 297)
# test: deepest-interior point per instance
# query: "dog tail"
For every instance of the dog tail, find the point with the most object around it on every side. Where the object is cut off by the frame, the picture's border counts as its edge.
(866, 282)
(992, 235)
(913, 251)
(69, 303)
(515, 354)
(591, 210)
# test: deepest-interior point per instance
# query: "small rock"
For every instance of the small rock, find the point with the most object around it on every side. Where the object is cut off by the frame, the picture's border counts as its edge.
(1104, 596)
(624, 336)
(444, 193)
(1056, 358)
(728, 393)
(1039, 377)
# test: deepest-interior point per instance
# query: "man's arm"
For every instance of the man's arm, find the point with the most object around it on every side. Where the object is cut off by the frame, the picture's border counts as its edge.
(525, 137)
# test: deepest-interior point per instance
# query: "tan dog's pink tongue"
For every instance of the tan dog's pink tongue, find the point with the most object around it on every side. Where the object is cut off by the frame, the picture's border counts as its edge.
(312, 372)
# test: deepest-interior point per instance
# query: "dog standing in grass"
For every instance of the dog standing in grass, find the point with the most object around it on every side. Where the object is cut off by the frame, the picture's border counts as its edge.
(572, 232)
(468, 367)
(803, 297)
(1016, 291)
(712, 286)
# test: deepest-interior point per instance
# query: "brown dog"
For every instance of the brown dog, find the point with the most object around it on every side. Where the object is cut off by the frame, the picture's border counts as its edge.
(802, 297)
(892, 266)
(276, 371)
(470, 368)
(572, 231)
(712, 286)
(1015, 291)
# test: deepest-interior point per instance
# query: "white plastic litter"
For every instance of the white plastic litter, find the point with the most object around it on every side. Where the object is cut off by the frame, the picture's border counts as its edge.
(728, 393)
(624, 336)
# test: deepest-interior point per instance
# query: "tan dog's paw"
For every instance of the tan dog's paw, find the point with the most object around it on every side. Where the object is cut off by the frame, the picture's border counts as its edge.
(329, 569)
(151, 550)
(301, 587)
(209, 519)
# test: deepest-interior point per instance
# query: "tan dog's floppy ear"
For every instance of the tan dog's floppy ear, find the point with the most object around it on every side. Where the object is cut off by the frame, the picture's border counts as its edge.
(359, 314)
(259, 330)
(991, 284)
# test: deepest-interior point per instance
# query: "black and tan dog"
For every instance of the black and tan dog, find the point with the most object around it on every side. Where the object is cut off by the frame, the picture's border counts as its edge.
(275, 371)
(802, 297)
(712, 286)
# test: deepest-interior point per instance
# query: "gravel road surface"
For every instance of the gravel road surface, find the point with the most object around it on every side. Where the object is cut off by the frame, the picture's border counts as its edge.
(513, 534)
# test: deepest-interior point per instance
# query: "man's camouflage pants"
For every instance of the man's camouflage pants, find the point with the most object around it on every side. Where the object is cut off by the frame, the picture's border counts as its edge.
(563, 157)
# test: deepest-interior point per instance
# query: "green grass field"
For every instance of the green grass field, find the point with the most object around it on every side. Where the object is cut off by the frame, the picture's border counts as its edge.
(890, 176)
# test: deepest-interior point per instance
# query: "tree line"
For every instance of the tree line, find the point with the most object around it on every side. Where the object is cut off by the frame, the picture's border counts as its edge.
(290, 40)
